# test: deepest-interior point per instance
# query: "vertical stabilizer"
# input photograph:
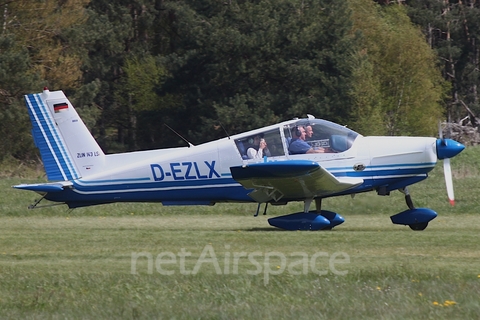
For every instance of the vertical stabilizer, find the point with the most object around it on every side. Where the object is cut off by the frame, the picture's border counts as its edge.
(68, 149)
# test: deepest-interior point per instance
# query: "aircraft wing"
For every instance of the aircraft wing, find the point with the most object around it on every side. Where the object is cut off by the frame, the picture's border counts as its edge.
(291, 179)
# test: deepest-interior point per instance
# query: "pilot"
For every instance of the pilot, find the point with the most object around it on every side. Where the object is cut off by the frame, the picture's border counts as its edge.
(258, 149)
(298, 144)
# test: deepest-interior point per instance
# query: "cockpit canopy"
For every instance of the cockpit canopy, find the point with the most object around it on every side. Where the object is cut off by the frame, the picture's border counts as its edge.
(325, 134)
(333, 138)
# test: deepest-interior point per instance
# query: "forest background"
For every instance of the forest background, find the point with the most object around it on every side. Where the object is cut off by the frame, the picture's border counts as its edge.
(132, 66)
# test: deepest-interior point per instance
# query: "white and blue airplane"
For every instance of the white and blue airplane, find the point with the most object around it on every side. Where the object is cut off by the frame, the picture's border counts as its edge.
(338, 161)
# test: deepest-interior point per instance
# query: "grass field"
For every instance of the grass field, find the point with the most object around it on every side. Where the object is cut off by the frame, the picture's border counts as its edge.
(149, 261)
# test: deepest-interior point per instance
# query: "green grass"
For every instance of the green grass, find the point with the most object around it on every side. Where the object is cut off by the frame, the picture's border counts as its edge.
(59, 263)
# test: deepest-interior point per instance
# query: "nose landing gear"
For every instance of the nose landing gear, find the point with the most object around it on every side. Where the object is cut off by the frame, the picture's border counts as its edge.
(416, 218)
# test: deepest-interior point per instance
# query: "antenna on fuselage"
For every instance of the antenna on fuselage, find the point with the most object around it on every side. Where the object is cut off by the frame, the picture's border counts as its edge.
(178, 134)
(221, 125)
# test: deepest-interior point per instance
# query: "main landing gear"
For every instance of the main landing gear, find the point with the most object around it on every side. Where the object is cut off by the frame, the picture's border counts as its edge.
(308, 220)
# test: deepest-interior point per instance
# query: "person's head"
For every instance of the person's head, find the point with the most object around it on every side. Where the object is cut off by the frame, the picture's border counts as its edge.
(309, 131)
(256, 139)
(299, 132)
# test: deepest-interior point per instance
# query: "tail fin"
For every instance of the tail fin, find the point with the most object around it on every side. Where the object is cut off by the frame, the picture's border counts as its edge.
(68, 149)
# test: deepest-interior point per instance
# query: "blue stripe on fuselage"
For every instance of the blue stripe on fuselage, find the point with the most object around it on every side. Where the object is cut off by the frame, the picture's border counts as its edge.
(153, 185)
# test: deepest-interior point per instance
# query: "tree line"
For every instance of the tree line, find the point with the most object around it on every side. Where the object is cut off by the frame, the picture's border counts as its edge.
(206, 67)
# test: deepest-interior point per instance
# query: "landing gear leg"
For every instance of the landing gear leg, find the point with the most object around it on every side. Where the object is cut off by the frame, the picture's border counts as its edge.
(306, 205)
(408, 198)
(318, 205)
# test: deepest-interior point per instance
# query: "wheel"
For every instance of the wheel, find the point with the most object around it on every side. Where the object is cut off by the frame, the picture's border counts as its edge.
(418, 226)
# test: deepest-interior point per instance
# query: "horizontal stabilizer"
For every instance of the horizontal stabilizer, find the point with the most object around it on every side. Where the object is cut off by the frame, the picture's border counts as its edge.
(43, 187)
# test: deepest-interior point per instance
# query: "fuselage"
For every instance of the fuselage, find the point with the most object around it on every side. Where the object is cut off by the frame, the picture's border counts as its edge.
(201, 174)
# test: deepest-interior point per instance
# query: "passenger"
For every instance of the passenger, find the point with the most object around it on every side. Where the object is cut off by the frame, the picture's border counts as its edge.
(298, 144)
(258, 149)
(308, 132)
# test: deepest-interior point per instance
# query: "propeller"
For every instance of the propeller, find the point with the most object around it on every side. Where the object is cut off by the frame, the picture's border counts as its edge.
(447, 171)
(446, 149)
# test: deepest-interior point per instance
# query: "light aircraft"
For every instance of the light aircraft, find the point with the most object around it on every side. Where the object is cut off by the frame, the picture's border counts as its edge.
(80, 174)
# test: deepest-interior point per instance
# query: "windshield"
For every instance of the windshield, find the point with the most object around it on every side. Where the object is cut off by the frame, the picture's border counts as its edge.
(321, 134)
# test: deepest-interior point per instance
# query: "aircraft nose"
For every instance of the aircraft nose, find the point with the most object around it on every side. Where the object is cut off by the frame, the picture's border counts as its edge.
(448, 148)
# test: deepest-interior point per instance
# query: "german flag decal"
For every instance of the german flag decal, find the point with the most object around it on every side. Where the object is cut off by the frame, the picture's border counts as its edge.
(60, 107)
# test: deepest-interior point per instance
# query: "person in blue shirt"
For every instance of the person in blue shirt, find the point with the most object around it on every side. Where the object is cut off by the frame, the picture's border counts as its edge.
(298, 144)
